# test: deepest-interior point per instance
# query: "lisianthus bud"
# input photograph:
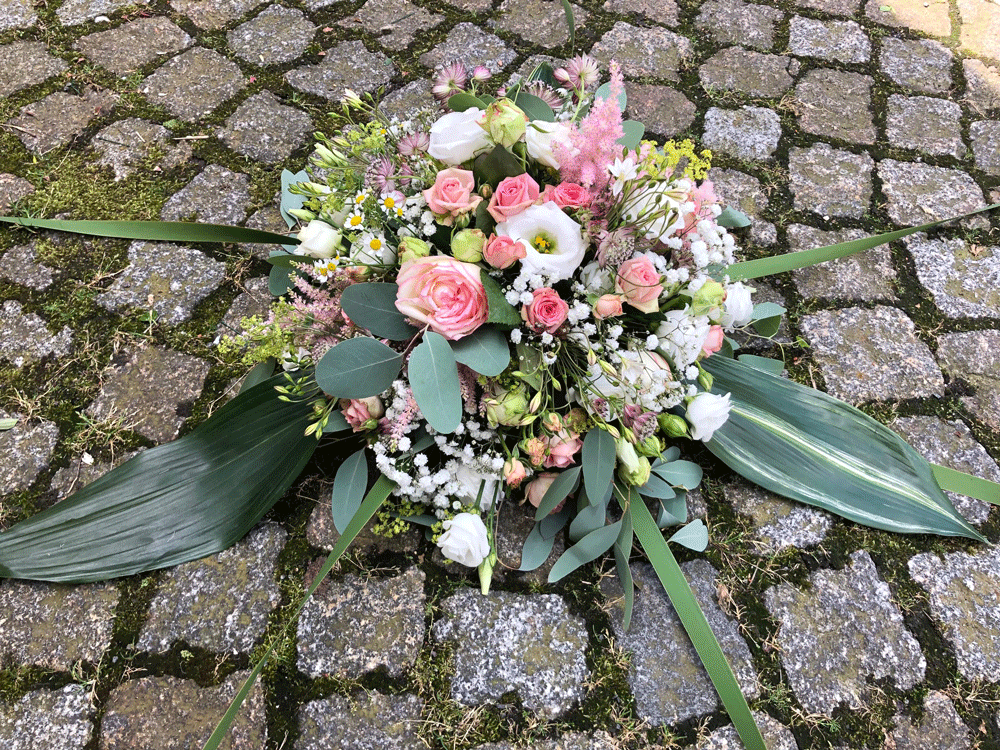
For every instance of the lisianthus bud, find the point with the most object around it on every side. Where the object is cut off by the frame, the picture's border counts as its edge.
(508, 408)
(467, 245)
(411, 248)
(673, 425)
(705, 380)
(504, 121)
(708, 300)
(632, 467)
(650, 447)
(302, 213)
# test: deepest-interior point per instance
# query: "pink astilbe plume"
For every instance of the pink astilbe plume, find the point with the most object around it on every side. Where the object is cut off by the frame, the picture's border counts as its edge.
(316, 315)
(593, 143)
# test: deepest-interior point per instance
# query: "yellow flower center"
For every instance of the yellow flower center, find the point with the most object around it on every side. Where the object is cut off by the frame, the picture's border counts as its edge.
(543, 243)
(355, 220)
(375, 244)
(389, 202)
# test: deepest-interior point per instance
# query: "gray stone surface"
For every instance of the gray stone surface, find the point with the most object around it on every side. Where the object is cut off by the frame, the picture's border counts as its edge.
(396, 23)
(919, 193)
(747, 133)
(219, 603)
(170, 280)
(663, 12)
(214, 14)
(985, 136)
(778, 523)
(776, 736)
(743, 192)
(982, 87)
(277, 35)
(361, 722)
(132, 45)
(320, 531)
(922, 65)
(665, 674)
(24, 451)
(348, 65)
(843, 632)
(871, 354)
(663, 110)
(255, 299)
(836, 104)
(836, 41)
(940, 728)
(265, 130)
(471, 46)
(269, 219)
(180, 715)
(514, 525)
(503, 642)
(24, 64)
(568, 741)
(356, 625)
(829, 181)
(926, 124)
(17, 14)
(191, 85)
(657, 53)
(59, 118)
(974, 357)
(156, 413)
(541, 22)
(753, 73)
(82, 471)
(407, 101)
(132, 144)
(963, 278)
(216, 196)
(76, 12)
(54, 625)
(964, 595)
(20, 265)
(868, 276)
(25, 337)
(51, 719)
(736, 22)
(13, 189)
(834, 7)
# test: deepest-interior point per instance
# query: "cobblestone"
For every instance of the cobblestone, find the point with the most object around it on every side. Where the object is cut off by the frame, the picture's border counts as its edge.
(922, 65)
(656, 53)
(778, 523)
(868, 276)
(836, 41)
(20, 265)
(753, 73)
(736, 22)
(963, 279)
(663, 110)
(216, 196)
(349, 64)
(925, 124)
(663, 12)
(135, 44)
(276, 35)
(985, 136)
(974, 357)
(471, 46)
(541, 22)
(265, 130)
(360, 722)
(59, 118)
(836, 104)
(24, 64)
(25, 337)
(76, 12)
(25, 451)
(830, 182)
(133, 144)
(747, 133)
(17, 14)
(193, 84)
(919, 193)
(54, 719)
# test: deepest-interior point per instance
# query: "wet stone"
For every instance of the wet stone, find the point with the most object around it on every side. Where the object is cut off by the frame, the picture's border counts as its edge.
(540, 22)
(657, 53)
(471, 46)
(871, 355)
(156, 413)
(356, 625)
(778, 523)
(265, 130)
(24, 452)
(59, 118)
(24, 64)
(194, 83)
(829, 181)
(983, 87)
(180, 714)
(51, 719)
(348, 65)
(963, 279)
(13, 189)
(214, 14)
(986, 145)
(746, 133)
(867, 276)
(321, 532)
(54, 625)
(964, 594)
(923, 65)
(20, 265)
(75, 12)
(503, 642)
(951, 444)
(919, 193)
(361, 722)
(840, 634)
(128, 145)
(929, 18)
(216, 196)
(753, 73)
(975, 358)
(776, 736)
(941, 728)
(836, 41)
(736, 22)
(134, 44)
(277, 35)
(17, 14)
(666, 675)
(569, 741)
(666, 12)
(395, 22)
(925, 124)
(514, 525)
(255, 299)
(661, 109)
(836, 104)
(168, 279)
(25, 338)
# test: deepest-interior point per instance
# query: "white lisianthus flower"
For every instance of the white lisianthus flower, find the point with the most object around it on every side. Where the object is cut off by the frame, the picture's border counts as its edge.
(553, 242)
(317, 239)
(457, 137)
(465, 540)
(706, 413)
(656, 209)
(470, 479)
(595, 278)
(541, 136)
(739, 306)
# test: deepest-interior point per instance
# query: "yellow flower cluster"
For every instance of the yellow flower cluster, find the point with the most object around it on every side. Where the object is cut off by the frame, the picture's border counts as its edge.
(662, 162)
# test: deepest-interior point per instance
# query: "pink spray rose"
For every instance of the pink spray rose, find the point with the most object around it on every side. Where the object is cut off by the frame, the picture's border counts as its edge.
(515, 472)
(535, 448)
(502, 251)
(546, 312)
(538, 487)
(451, 195)
(562, 447)
(608, 306)
(444, 294)
(567, 195)
(639, 282)
(713, 342)
(512, 196)
(359, 411)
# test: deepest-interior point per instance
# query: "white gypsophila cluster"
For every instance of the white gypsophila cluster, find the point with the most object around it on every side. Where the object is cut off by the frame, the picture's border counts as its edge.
(710, 243)
(682, 337)
(640, 378)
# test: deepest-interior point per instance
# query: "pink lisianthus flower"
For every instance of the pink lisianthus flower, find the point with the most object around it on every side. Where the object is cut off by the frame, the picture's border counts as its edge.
(451, 195)
(713, 342)
(563, 446)
(546, 311)
(361, 411)
(444, 294)
(638, 282)
(512, 196)
(501, 251)
(567, 195)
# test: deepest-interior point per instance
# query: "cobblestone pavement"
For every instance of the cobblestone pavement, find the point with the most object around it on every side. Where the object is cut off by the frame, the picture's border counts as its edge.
(828, 119)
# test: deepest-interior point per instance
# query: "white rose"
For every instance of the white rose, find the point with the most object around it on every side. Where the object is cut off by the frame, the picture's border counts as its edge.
(739, 306)
(465, 540)
(706, 413)
(553, 242)
(541, 136)
(457, 137)
(471, 479)
(655, 208)
(317, 239)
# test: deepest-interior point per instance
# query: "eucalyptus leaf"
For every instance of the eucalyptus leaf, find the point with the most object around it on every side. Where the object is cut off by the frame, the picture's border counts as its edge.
(656, 487)
(462, 101)
(633, 132)
(764, 310)
(529, 362)
(604, 92)
(349, 485)
(570, 22)
(433, 376)
(336, 422)
(424, 519)
(589, 517)
(622, 551)
(592, 546)
(291, 200)
(730, 218)
(287, 260)
(358, 368)
(373, 306)
(693, 536)
(680, 473)
(671, 511)
(534, 108)
(485, 350)
(279, 281)
(536, 548)
(598, 463)
(500, 311)
(558, 491)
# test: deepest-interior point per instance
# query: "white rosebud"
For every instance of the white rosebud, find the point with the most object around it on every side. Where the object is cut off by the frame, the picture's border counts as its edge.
(706, 413)
(456, 137)
(739, 306)
(540, 136)
(465, 540)
(317, 239)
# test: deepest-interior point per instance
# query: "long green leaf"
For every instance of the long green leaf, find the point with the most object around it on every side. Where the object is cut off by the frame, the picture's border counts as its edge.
(349, 485)
(570, 22)
(358, 368)
(622, 551)
(163, 231)
(485, 350)
(966, 484)
(598, 463)
(177, 502)
(806, 445)
(373, 306)
(699, 631)
(433, 375)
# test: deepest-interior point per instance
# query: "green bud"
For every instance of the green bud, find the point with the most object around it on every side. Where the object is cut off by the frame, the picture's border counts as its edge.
(705, 380)
(673, 425)
(632, 467)
(708, 300)
(301, 213)
(651, 447)
(467, 245)
(411, 248)
(509, 408)
(505, 122)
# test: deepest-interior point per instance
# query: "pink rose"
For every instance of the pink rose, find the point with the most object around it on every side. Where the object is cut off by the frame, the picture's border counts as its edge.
(713, 342)
(502, 251)
(567, 195)
(360, 411)
(451, 195)
(608, 306)
(512, 196)
(535, 448)
(546, 312)
(514, 472)
(444, 294)
(639, 282)
(538, 487)
(562, 447)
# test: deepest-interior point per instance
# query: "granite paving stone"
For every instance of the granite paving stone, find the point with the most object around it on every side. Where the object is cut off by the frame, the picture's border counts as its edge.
(747, 133)
(276, 35)
(833, 7)
(13, 189)
(55, 625)
(753, 73)
(926, 124)
(361, 722)
(656, 53)
(24, 64)
(743, 192)
(79, 473)
(321, 532)
(836, 41)
(919, 193)
(778, 523)
(922, 65)
(255, 299)
(776, 736)
(663, 110)
(269, 219)
(964, 591)
(51, 719)
(829, 181)
(25, 451)
(76, 12)
(736, 22)
(930, 18)
(214, 14)
(963, 279)
(940, 728)
(514, 525)
(17, 14)
(132, 45)
(216, 196)
(347, 65)
(541, 22)
(155, 412)
(20, 265)
(871, 354)
(180, 714)
(265, 130)
(979, 29)
(168, 279)
(407, 101)
(471, 46)
(395, 22)
(842, 632)
(974, 357)
(867, 277)
(985, 136)
(25, 337)
(219, 603)
(59, 118)
(568, 741)
(665, 674)
(982, 86)
(665, 13)
(132, 144)
(191, 85)
(836, 104)
(528, 643)
(356, 625)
